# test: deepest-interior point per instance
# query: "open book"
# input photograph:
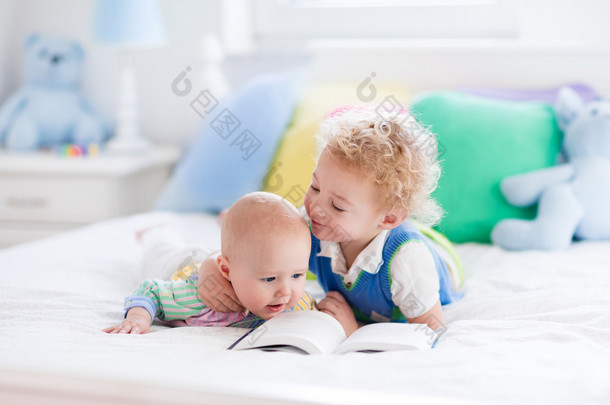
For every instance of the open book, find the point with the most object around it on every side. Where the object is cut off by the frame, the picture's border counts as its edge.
(314, 332)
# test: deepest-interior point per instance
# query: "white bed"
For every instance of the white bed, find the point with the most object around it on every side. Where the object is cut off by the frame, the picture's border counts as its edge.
(534, 327)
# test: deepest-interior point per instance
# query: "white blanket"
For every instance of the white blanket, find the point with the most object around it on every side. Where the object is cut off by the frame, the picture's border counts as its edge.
(534, 327)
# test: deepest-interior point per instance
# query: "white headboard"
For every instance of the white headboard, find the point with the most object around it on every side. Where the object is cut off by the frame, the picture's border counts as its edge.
(429, 65)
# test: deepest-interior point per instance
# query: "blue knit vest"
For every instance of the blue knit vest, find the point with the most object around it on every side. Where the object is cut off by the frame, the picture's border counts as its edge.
(370, 296)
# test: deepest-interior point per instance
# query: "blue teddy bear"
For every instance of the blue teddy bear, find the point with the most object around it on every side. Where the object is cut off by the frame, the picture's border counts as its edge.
(573, 198)
(49, 109)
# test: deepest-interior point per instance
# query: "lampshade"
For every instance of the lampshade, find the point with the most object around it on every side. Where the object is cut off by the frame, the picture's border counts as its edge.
(129, 23)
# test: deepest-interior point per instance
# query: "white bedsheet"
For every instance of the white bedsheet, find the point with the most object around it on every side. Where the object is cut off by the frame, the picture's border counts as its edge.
(534, 327)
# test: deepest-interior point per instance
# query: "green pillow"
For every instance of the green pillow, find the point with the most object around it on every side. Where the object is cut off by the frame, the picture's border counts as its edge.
(482, 141)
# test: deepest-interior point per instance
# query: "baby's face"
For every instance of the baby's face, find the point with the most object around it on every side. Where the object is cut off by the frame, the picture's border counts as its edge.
(342, 204)
(273, 282)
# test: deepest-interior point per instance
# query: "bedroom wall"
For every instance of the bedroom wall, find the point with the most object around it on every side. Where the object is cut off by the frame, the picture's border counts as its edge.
(583, 20)
(164, 117)
(6, 18)
(552, 56)
(559, 41)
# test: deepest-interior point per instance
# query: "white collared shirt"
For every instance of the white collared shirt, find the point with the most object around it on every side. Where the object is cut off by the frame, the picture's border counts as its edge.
(415, 282)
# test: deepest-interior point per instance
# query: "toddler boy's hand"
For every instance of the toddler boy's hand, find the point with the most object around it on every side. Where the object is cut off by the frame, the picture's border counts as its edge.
(334, 304)
(137, 321)
(215, 291)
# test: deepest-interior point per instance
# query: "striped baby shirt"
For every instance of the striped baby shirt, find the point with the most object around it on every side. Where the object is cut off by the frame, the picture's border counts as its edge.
(177, 300)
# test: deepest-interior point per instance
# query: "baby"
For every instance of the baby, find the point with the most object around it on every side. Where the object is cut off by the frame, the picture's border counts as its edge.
(264, 254)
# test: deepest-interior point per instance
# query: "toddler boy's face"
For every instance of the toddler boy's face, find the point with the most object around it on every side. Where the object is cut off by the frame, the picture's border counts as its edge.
(342, 204)
(272, 280)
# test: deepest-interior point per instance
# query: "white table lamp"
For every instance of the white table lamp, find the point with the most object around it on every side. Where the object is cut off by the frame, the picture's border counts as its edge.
(128, 25)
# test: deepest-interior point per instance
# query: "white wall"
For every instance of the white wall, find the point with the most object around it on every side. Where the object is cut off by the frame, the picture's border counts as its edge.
(583, 20)
(163, 116)
(6, 19)
(167, 117)
(559, 41)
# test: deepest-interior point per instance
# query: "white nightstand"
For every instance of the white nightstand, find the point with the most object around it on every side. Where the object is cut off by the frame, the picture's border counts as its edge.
(42, 193)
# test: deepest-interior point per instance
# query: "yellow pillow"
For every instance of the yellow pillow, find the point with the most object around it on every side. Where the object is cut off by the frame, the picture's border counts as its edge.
(290, 172)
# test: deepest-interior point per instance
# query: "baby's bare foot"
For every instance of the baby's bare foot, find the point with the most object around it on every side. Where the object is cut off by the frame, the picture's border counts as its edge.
(140, 234)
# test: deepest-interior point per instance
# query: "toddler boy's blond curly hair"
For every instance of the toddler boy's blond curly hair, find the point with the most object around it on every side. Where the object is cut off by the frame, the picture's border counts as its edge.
(393, 149)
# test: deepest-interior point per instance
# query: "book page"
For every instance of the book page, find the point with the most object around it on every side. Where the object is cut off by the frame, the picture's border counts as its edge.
(312, 331)
(386, 336)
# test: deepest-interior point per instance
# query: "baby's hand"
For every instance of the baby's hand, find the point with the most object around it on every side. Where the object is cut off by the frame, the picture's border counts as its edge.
(137, 321)
(334, 304)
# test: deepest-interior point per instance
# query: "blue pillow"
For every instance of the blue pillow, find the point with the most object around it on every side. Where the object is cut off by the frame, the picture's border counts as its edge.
(233, 151)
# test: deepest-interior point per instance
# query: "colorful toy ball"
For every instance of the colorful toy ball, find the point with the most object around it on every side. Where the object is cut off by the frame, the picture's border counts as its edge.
(74, 150)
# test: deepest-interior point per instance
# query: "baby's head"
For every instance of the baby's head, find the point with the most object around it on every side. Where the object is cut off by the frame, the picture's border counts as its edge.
(265, 247)
(374, 169)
